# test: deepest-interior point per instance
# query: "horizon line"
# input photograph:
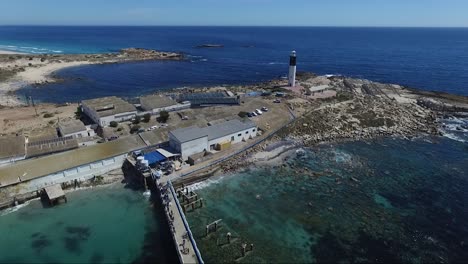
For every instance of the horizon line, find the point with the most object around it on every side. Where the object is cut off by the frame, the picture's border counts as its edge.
(284, 26)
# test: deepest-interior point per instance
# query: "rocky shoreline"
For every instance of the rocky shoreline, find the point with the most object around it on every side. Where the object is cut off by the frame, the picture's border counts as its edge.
(362, 110)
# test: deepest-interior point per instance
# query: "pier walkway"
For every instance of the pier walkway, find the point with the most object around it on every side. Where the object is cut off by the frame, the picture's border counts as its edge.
(180, 229)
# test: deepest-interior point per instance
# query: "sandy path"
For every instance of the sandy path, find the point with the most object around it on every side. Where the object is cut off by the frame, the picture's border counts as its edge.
(42, 73)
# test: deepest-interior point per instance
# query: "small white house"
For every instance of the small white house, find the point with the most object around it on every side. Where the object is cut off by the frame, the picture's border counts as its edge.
(193, 140)
(107, 109)
(75, 128)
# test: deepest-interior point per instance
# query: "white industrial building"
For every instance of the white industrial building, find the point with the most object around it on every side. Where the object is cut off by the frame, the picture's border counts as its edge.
(107, 109)
(157, 103)
(193, 140)
(74, 128)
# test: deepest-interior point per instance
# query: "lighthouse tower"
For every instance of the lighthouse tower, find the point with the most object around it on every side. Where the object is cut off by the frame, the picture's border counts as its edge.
(292, 69)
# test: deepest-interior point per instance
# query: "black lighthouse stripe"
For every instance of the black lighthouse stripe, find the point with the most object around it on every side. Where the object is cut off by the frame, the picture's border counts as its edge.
(292, 61)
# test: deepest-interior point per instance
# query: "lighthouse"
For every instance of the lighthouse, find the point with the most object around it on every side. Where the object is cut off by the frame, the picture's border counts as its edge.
(292, 69)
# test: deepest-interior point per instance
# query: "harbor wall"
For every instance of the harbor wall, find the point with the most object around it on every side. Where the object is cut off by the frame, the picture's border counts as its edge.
(81, 173)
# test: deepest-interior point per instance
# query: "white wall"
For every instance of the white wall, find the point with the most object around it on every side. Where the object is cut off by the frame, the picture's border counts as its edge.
(80, 134)
(90, 113)
(244, 135)
(105, 121)
(83, 172)
(199, 145)
(171, 108)
(193, 147)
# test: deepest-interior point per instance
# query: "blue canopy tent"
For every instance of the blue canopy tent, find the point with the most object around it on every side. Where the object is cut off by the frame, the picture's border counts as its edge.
(154, 157)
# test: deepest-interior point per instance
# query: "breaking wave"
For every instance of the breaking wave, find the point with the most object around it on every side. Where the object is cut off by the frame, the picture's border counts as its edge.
(29, 49)
(205, 183)
(13, 209)
(452, 136)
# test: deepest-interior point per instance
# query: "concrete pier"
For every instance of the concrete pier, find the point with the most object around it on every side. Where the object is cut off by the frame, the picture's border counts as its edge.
(181, 233)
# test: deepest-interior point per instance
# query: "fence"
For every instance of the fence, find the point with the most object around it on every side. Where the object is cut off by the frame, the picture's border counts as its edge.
(184, 220)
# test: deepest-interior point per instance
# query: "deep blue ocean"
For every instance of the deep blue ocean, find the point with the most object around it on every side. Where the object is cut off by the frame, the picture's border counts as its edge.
(425, 58)
(382, 201)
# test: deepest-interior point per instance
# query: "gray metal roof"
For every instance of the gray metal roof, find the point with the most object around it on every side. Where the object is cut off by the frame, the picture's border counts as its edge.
(12, 147)
(151, 102)
(107, 106)
(227, 128)
(212, 132)
(34, 168)
(188, 133)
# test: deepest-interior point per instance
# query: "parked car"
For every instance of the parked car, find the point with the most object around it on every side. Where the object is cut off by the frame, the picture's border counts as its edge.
(254, 114)
(277, 101)
(153, 127)
(249, 115)
(264, 109)
(258, 111)
(112, 138)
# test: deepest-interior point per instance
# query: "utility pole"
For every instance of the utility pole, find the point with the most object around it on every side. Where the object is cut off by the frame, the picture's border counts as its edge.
(34, 105)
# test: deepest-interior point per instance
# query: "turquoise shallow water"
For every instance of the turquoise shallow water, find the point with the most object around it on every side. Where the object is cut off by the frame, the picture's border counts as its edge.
(385, 201)
(103, 225)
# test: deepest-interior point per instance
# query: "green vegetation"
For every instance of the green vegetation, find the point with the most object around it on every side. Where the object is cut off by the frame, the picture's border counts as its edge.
(163, 116)
(135, 128)
(119, 129)
(146, 117)
(48, 115)
(343, 96)
(113, 124)
(137, 120)
(242, 114)
(79, 112)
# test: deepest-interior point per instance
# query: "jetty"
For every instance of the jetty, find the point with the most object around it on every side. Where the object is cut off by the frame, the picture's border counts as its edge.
(54, 194)
(185, 243)
(174, 211)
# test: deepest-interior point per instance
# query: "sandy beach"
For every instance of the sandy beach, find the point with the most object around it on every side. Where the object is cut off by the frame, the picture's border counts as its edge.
(18, 70)
(9, 52)
(31, 75)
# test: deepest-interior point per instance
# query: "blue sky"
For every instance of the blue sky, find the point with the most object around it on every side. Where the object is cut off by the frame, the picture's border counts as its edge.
(426, 13)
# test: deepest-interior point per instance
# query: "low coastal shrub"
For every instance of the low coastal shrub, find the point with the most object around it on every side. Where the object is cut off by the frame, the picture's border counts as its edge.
(78, 112)
(146, 118)
(163, 116)
(48, 115)
(135, 128)
(242, 114)
(113, 124)
(137, 120)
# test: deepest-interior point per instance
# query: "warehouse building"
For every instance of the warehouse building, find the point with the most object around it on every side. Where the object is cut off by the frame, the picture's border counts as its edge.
(107, 109)
(192, 140)
(210, 99)
(158, 103)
